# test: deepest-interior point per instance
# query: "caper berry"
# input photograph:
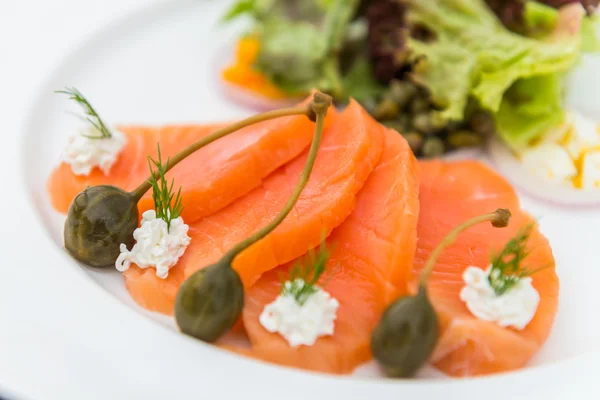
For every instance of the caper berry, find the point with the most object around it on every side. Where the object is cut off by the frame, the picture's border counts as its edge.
(419, 104)
(483, 123)
(464, 138)
(415, 141)
(402, 92)
(209, 302)
(399, 124)
(433, 147)
(406, 335)
(99, 220)
(386, 109)
(428, 122)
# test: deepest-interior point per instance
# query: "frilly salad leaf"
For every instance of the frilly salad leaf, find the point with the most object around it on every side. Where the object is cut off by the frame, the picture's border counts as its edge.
(540, 20)
(360, 83)
(310, 11)
(473, 55)
(590, 34)
(291, 55)
(300, 41)
(530, 107)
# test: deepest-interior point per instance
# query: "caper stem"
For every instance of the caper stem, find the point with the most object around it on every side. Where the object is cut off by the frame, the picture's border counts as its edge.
(319, 106)
(284, 112)
(498, 218)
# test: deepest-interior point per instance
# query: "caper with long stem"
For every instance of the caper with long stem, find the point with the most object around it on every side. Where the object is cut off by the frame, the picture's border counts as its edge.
(101, 218)
(211, 300)
(407, 333)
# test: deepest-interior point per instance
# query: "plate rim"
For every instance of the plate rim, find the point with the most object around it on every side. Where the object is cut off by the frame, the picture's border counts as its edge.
(575, 363)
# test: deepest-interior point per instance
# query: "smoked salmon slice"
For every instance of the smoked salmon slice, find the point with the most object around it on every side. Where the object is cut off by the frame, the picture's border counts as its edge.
(370, 266)
(451, 193)
(349, 151)
(212, 177)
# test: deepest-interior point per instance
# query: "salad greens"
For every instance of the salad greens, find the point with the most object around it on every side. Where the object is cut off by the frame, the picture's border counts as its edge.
(302, 44)
(300, 41)
(460, 64)
(426, 68)
(590, 42)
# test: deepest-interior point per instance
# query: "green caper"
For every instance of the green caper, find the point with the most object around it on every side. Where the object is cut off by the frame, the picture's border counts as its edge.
(406, 335)
(386, 109)
(428, 122)
(99, 220)
(209, 302)
(464, 138)
(402, 92)
(482, 122)
(399, 124)
(404, 120)
(415, 140)
(419, 104)
(393, 124)
(433, 147)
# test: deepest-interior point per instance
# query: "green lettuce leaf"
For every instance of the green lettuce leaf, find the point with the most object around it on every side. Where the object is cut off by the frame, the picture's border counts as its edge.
(291, 54)
(300, 41)
(360, 83)
(298, 10)
(590, 34)
(539, 19)
(253, 8)
(474, 56)
(530, 107)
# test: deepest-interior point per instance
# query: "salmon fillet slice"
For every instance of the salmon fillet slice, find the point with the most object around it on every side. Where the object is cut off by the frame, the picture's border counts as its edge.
(349, 151)
(451, 193)
(370, 266)
(212, 177)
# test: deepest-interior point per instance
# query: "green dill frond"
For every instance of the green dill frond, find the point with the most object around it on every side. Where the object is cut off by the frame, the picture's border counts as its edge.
(303, 277)
(167, 204)
(507, 266)
(91, 115)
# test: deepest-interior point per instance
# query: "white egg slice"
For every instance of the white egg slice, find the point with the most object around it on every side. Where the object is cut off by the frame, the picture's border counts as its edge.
(590, 170)
(504, 160)
(549, 162)
(583, 136)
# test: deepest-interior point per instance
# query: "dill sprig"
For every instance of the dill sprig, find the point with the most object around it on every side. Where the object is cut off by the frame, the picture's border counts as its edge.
(168, 206)
(507, 269)
(91, 115)
(305, 275)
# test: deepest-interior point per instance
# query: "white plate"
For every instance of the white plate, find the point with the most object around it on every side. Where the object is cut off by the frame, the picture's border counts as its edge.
(155, 67)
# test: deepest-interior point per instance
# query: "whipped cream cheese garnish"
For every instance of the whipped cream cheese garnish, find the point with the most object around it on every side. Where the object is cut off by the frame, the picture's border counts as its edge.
(516, 307)
(301, 323)
(157, 245)
(96, 146)
(84, 152)
(503, 293)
